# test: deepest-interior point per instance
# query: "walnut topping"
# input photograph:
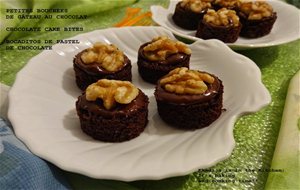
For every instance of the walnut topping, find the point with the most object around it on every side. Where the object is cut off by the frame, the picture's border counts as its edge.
(108, 56)
(161, 47)
(184, 81)
(228, 3)
(223, 17)
(112, 92)
(256, 10)
(196, 5)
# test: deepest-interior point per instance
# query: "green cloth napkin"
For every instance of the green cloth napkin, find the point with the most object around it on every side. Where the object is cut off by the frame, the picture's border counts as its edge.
(287, 150)
(255, 134)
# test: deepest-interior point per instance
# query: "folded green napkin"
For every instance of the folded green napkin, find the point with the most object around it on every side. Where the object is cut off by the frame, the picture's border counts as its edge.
(287, 152)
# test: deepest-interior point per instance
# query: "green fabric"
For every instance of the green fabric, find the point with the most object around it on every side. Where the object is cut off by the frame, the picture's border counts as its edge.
(255, 134)
(79, 7)
(103, 19)
(294, 2)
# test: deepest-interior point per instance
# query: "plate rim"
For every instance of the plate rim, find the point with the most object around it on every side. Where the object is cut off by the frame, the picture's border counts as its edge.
(128, 178)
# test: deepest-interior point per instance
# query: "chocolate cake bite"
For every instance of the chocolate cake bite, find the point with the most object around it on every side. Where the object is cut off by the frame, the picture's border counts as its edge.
(99, 62)
(160, 56)
(223, 24)
(257, 19)
(112, 110)
(189, 99)
(188, 13)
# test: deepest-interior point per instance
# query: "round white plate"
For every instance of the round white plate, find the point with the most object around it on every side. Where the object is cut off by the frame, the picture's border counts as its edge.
(285, 29)
(42, 111)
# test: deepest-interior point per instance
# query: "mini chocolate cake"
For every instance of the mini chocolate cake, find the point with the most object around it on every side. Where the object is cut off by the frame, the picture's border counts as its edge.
(228, 4)
(223, 25)
(188, 13)
(160, 56)
(189, 99)
(257, 19)
(99, 62)
(112, 111)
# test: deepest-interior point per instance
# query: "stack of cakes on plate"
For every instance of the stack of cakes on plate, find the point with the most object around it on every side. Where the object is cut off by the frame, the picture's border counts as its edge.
(113, 109)
(225, 20)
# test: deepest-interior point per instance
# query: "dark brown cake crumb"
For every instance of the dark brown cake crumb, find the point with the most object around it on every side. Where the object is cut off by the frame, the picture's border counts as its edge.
(193, 116)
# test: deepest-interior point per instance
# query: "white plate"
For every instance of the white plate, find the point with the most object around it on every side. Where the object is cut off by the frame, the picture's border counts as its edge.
(42, 111)
(285, 29)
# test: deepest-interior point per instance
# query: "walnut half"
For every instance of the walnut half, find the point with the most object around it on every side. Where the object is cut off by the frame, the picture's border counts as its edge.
(161, 47)
(112, 92)
(107, 55)
(184, 81)
(222, 17)
(256, 10)
(196, 5)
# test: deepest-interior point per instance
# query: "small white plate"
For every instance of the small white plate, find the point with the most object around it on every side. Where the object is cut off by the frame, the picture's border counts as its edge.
(42, 111)
(285, 29)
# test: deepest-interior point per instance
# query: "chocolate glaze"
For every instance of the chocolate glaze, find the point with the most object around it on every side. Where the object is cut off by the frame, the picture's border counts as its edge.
(172, 59)
(120, 109)
(162, 95)
(95, 68)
